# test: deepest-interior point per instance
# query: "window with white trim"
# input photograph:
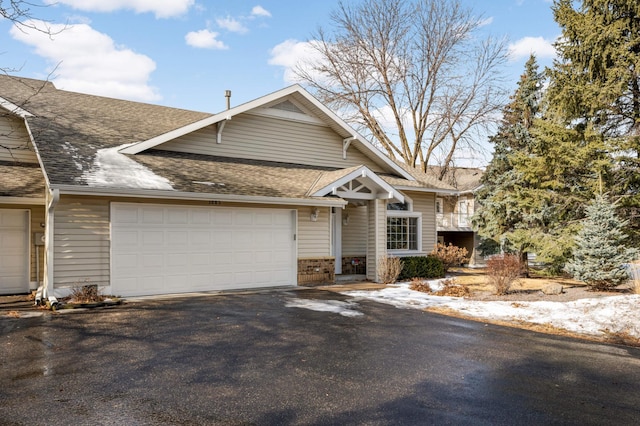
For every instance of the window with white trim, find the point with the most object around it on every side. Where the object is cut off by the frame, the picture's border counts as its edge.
(403, 228)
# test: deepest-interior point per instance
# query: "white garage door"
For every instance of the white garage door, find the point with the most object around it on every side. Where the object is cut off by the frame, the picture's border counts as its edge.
(158, 249)
(14, 251)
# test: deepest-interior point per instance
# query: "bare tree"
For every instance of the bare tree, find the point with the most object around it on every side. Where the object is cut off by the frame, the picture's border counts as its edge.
(19, 13)
(413, 75)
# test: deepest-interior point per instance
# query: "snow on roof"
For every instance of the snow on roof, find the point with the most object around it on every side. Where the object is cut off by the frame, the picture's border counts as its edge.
(113, 169)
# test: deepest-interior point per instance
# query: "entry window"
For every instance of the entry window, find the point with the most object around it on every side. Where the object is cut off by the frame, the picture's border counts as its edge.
(402, 233)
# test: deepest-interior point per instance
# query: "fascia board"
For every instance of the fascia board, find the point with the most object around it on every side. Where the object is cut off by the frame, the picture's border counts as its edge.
(23, 200)
(14, 109)
(433, 190)
(193, 196)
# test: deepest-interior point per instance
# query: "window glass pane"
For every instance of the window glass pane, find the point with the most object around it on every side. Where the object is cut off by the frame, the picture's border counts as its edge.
(402, 233)
(399, 206)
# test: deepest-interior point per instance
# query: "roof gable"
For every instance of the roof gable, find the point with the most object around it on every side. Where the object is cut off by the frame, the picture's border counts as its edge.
(292, 101)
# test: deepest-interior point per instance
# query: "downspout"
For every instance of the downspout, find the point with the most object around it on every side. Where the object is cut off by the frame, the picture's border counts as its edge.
(46, 289)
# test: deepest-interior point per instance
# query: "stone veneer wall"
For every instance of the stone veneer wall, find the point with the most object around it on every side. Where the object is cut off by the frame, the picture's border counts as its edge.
(316, 271)
(354, 265)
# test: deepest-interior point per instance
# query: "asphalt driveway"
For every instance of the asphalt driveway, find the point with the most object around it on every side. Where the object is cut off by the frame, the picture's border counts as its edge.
(259, 359)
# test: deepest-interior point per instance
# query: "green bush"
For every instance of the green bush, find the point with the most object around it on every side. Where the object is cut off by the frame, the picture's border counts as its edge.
(421, 267)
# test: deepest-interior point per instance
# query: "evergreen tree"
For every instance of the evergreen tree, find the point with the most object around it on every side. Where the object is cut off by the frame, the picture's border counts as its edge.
(600, 252)
(595, 85)
(502, 216)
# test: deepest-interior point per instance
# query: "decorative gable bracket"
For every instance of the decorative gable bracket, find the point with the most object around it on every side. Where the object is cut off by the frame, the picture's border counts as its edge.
(220, 128)
(360, 184)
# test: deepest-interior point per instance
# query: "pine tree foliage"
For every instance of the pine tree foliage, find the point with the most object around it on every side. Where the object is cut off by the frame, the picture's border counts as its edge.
(504, 215)
(595, 85)
(601, 252)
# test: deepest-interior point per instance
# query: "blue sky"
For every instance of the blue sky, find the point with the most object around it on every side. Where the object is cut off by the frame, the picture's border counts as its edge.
(186, 53)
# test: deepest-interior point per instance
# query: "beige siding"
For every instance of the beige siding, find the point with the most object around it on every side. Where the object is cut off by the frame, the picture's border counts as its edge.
(266, 138)
(314, 238)
(15, 144)
(425, 204)
(354, 233)
(81, 251)
(377, 236)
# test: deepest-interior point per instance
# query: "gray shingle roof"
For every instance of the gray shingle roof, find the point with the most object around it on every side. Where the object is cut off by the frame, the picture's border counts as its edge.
(21, 180)
(70, 130)
(70, 127)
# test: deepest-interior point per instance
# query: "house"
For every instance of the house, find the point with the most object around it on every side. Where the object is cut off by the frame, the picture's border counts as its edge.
(142, 199)
(455, 210)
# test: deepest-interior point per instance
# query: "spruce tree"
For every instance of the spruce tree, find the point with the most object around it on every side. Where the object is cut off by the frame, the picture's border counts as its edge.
(502, 217)
(600, 254)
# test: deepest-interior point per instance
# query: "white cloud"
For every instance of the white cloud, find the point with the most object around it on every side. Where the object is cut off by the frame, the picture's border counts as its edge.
(527, 45)
(231, 24)
(90, 62)
(162, 9)
(260, 11)
(204, 39)
(291, 54)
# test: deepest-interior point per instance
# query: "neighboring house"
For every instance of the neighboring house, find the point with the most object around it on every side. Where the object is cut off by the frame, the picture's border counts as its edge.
(454, 210)
(141, 199)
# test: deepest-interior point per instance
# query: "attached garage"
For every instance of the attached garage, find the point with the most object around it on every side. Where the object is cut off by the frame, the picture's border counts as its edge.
(14, 251)
(161, 249)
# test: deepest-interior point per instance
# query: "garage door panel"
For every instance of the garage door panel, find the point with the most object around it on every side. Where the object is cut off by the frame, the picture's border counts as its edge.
(200, 249)
(223, 217)
(124, 238)
(177, 216)
(152, 239)
(153, 215)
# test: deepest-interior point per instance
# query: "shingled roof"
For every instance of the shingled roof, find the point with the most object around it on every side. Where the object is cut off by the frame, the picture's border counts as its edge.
(21, 180)
(79, 138)
(68, 128)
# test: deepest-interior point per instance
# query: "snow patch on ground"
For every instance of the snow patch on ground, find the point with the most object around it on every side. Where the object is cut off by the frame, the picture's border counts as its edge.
(113, 169)
(596, 316)
(346, 309)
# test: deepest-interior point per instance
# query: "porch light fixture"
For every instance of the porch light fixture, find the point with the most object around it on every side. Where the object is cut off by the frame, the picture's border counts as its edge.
(345, 219)
(314, 214)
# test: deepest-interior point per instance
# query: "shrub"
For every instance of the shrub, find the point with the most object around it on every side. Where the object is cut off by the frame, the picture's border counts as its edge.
(88, 293)
(389, 268)
(421, 267)
(450, 255)
(634, 273)
(502, 271)
(450, 287)
(418, 284)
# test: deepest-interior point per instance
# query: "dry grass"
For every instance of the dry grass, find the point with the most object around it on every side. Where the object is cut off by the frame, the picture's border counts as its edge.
(475, 279)
(634, 282)
(13, 314)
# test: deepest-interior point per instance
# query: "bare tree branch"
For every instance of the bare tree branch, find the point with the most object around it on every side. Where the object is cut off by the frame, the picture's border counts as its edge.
(413, 74)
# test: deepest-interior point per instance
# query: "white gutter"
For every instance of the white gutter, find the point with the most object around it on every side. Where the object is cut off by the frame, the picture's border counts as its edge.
(191, 196)
(45, 291)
